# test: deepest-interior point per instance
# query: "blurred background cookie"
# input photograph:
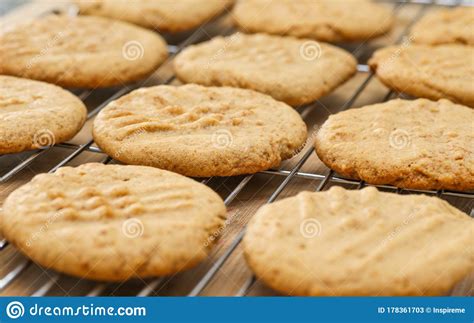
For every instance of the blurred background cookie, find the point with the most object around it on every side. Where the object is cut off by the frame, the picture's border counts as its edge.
(433, 72)
(326, 20)
(164, 15)
(80, 51)
(445, 26)
(36, 115)
(295, 71)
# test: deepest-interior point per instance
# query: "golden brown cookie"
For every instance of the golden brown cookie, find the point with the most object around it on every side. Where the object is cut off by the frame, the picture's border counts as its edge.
(360, 243)
(439, 72)
(417, 144)
(445, 26)
(36, 115)
(199, 131)
(112, 222)
(295, 71)
(165, 15)
(81, 51)
(326, 20)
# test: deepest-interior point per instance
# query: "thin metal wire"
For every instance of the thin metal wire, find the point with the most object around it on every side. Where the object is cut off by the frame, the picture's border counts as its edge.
(21, 165)
(150, 287)
(97, 290)
(43, 290)
(363, 68)
(340, 180)
(3, 244)
(8, 278)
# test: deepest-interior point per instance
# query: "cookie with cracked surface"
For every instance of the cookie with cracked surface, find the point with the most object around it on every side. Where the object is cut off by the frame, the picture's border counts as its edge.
(445, 26)
(85, 52)
(295, 71)
(113, 222)
(417, 144)
(171, 16)
(36, 115)
(432, 72)
(199, 131)
(360, 243)
(325, 20)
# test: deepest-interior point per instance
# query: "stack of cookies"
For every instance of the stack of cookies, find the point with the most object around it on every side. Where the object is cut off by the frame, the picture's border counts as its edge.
(237, 116)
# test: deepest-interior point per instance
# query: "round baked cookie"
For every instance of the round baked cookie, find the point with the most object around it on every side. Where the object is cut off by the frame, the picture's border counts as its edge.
(445, 26)
(360, 243)
(198, 131)
(113, 222)
(444, 71)
(295, 71)
(36, 115)
(85, 52)
(165, 15)
(325, 20)
(417, 144)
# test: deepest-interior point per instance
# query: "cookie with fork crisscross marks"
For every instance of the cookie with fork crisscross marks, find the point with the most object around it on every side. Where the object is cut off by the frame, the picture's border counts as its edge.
(325, 20)
(199, 131)
(172, 16)
(113, 222)
(445, 26)
(86, 52)
(360, 243)
(418, 144)
(36, 115)
(295, 71)
(432, 72)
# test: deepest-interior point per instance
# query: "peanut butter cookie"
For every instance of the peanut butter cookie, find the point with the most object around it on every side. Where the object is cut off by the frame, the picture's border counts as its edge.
(417, 144)
(36, 115)
(360, 243)
(295, 71)
(113, 222)
(85, 52)
(199, 131)
(432, 72)
(325, 20)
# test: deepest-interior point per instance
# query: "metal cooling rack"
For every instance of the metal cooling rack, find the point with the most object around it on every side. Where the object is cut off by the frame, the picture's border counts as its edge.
(283, 177)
